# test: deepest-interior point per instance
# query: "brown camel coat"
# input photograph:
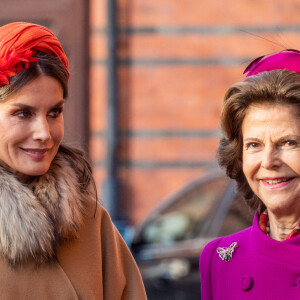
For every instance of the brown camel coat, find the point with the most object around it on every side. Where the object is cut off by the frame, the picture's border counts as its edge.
(55, 243)
(96, 266)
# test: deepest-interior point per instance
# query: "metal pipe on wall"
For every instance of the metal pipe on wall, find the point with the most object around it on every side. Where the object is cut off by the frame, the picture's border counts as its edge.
(110, 184)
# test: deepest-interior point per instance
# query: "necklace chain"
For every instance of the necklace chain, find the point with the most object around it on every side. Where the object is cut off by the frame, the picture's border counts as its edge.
(264, 225)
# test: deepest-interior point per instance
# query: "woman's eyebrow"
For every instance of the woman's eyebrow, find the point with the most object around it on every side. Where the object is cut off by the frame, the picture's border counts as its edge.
(29, 107)
(280, 139)
(289, 137)
(251, 139)
(59, 103)
(22, 105)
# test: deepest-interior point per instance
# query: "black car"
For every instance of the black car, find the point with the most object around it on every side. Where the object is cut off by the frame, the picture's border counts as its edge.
(167, 245)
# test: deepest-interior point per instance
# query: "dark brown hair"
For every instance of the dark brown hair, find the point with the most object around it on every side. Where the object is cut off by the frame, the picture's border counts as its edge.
(273, 87)
(49, 65)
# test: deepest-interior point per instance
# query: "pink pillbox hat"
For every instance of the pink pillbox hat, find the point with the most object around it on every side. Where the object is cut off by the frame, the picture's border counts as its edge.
(287, 59)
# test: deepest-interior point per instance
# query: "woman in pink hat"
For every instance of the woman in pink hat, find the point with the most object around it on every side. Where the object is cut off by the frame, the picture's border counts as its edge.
(260, 150)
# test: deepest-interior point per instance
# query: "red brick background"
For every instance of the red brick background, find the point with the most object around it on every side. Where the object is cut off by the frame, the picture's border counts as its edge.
(177, 59)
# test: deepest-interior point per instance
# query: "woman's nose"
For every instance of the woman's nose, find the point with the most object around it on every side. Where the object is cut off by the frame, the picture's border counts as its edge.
(41, 131)
(270, 158)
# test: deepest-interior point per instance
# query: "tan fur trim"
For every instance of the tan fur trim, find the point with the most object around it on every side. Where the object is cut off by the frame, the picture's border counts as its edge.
(34, 219)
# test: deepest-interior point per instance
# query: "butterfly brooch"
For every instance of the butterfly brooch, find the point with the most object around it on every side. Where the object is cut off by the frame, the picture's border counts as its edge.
(226, 253)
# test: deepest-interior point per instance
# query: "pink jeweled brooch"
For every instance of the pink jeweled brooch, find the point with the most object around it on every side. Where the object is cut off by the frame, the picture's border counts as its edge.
(226, 253)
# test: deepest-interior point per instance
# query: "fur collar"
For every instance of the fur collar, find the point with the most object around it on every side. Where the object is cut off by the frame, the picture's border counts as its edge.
(37, 217)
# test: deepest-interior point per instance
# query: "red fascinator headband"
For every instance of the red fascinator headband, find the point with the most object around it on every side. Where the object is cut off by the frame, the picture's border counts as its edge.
(19, 43)
(287, 59)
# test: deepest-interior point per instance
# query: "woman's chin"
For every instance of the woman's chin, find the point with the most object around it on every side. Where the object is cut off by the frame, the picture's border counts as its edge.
(283, 208)
(25, 175)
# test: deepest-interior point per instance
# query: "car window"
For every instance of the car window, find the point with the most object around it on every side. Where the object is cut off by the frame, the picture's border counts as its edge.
(184, 217)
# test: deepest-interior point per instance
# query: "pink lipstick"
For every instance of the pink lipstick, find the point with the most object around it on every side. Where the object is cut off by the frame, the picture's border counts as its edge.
(276, 183)
(35, 153)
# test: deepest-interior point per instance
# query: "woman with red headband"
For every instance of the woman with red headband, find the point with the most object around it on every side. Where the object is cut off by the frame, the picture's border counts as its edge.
(260, 150)
(56, 242)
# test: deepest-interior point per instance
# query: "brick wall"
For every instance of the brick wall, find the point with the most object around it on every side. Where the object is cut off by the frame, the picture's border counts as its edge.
(176, 60)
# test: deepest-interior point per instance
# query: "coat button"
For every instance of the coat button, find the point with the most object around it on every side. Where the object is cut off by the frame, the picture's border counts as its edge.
(298, 283)
(247, 282)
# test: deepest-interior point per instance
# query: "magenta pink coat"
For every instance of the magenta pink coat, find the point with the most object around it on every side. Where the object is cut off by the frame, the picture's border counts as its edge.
(260, 268)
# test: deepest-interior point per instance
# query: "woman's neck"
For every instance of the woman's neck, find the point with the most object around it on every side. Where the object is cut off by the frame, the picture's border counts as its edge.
(281, 227)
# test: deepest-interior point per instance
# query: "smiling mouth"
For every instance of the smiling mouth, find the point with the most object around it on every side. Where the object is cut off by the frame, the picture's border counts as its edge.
(277, 181)
(35, 151)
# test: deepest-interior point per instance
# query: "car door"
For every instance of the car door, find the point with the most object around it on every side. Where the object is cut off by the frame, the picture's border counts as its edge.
(168, 244)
